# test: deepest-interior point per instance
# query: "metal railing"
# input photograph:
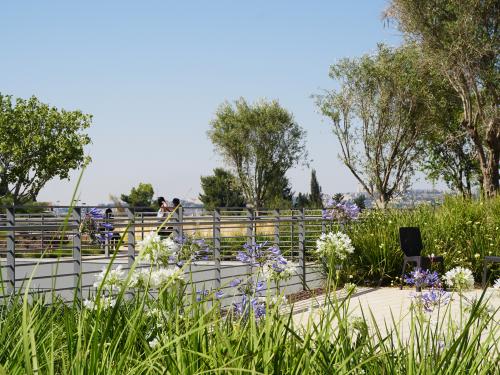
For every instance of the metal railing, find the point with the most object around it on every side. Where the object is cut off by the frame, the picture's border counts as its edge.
(49, 248)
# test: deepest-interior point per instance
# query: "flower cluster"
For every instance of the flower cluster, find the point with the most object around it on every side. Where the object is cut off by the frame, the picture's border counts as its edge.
(338, 245)
(250, 305)
(96, 227)
(341, 211)
(155, 250)
(432, 299)
(103, 302)
(271, 264)
(460, 279)
(422, 278)
(110, 280)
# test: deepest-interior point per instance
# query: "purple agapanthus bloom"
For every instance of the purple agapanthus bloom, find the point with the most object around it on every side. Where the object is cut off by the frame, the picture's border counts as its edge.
(422, 278)
(95, 214)
(235, 282)
(200, 294)
(247, 305)
(219, 294)
(343, 211)
(433, 298)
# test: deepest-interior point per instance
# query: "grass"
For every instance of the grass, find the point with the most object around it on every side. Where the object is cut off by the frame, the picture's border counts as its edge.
(196, 338)
(463, 231)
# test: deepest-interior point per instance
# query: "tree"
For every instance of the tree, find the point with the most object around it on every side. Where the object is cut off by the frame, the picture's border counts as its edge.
(38, 143)
(316, 198)
(450, 154)
(378, 116)
(260, 142)
(302, 201)
(221, 190)
(360, 201)
(462, 39)
(141, 196)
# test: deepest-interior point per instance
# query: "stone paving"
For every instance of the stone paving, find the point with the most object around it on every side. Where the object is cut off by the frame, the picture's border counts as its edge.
(387, 304)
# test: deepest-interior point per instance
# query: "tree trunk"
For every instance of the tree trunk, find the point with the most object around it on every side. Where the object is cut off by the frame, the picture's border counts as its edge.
(489, 158)
(382, 201)
(490, 174)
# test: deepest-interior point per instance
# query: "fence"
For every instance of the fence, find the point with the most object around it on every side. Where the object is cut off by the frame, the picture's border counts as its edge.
(49, 249)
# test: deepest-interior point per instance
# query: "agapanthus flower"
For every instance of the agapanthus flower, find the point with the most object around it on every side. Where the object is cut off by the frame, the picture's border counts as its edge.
(459, 278)
(433, 298)
(422, 278)
(341, 211)
(337, 244)
(165, 277)
(201, 294)
(104, 302)
(112, 280)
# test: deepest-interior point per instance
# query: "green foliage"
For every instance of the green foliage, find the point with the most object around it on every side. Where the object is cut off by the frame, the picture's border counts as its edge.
(461, 39)
(379, 115)
(157, 336)
(140, 196)
(38, 143)
(316, 198)
(360, 201)
(221, 190)
(261, 142)
(463, 231)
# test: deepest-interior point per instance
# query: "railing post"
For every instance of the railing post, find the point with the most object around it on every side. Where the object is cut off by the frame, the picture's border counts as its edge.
(11, 251)
(180, 209)
(77, 252)
(277, 227)
(43, 222)
(176, 218)
(217, 247)
(250, 236)
(131, 244)
(302, 247)
(130, 237)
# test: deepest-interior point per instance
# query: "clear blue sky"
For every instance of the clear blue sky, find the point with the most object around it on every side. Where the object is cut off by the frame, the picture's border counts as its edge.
(153, 72)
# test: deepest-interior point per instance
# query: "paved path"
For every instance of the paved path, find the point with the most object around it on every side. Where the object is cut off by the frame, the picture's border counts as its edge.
(387, 304)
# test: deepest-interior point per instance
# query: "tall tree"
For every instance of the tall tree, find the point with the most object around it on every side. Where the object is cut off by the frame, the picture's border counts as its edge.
(462, 39)
(140, 196)
(38, 143)
(315, 198)
(261, 142)
(378, 116)
(221, 190)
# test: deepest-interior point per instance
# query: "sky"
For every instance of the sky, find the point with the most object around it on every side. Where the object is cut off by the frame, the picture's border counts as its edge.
(152, 74)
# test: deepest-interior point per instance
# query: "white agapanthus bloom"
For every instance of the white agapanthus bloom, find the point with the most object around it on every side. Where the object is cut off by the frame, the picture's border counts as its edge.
(154, 343)
(459, 278)
(165, 276)
(139, 278)
(337, 244)
(113, 279)
(154, 250)
(104, 302)
(278, 271)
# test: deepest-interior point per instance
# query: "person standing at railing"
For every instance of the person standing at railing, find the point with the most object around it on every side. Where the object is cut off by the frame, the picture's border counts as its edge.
(163, 212)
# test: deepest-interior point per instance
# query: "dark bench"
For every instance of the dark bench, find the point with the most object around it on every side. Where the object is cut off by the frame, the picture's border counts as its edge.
(486, 260)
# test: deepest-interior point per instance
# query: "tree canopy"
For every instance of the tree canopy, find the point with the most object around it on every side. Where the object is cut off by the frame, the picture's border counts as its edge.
(140, 196)
(461, 38)
(260, 142)
(379, 118)
(38, 143)
(221, 190)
